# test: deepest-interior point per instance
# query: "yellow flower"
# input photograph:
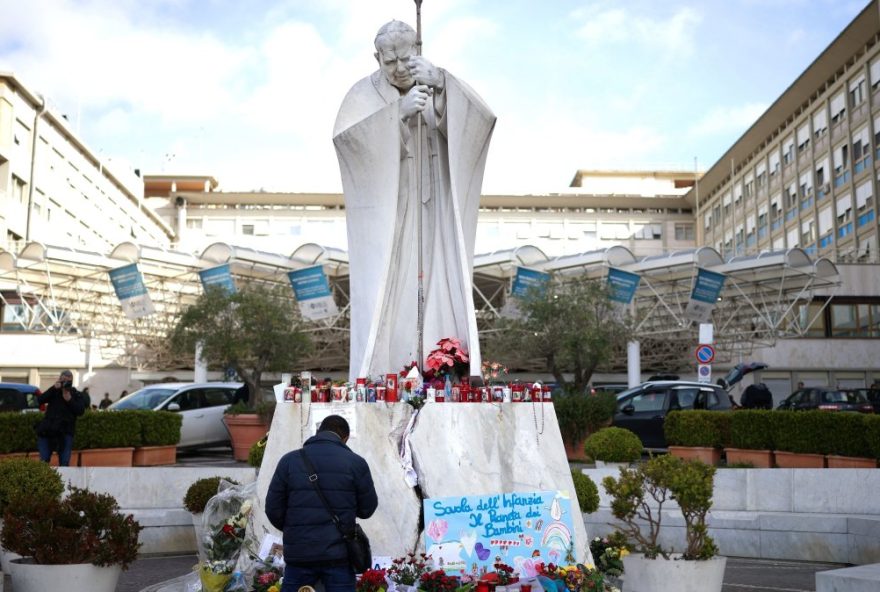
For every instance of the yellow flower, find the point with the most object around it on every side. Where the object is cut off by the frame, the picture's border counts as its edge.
(623, 552)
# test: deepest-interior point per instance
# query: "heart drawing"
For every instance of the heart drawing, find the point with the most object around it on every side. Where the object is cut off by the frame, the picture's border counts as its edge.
(482, 552)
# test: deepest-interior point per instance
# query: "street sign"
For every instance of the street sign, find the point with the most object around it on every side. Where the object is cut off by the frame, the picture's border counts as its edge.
(704, 373)
(705, 354)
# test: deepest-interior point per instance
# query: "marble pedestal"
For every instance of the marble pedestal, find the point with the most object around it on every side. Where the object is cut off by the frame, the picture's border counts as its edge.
(457, 449)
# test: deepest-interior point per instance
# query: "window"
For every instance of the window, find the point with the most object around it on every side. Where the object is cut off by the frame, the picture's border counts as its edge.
(650, 401)
(803, 137)
(294, 230)
(875, 75)
(861, 150)
(18, 192)
(857, 91)
(194, 223)
(649, 232)
(864, 195)
(844, 209)
(808, 233)
(611, 230)
(838, 108)
(820, 123)
(774, 163)
(684, 232)
(788, 151)
(841, 165)
(247, 229)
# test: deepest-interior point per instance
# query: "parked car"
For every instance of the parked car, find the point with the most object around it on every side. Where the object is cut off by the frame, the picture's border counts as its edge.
(827, 398)
(200, 404)
(643, 409)
(608, 387)
(18, 397)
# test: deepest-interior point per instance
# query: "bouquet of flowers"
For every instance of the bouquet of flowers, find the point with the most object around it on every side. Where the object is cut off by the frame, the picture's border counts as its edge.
(449, 358)
(224, 542)
(372, 580)
(438, 581)
(492, 371)
(505, 573)
(573, 578)
(609, 553)
(408, 569)
(268, 577)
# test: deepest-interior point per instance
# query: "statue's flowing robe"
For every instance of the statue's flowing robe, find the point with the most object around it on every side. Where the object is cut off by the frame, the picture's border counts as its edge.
(377, 155)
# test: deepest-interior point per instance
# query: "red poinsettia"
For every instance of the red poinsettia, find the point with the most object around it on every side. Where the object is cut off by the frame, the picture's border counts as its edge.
(448, 358)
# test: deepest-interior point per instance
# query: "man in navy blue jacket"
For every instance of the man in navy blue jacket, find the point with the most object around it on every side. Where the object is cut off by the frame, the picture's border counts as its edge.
(314, 549)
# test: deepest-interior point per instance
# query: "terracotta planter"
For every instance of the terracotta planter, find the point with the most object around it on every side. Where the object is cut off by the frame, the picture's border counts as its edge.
(850, 462)
(672, 575)
(154, 456)
(245, 429)
(798, 460)
(53, 460)
(575, 450)
(106, 457)
(710, 456)
(760, 459)
(30, 577)
(14, 455)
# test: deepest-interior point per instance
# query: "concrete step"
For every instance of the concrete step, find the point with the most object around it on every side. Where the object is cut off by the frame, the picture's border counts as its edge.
(862, 578)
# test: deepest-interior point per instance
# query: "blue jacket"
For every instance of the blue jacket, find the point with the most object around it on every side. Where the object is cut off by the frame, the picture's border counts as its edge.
(293, 507)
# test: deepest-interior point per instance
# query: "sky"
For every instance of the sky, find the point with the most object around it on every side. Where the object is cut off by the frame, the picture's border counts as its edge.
(247, 92)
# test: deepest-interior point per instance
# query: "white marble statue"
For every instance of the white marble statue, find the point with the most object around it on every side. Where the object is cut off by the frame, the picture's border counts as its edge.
(375, 136)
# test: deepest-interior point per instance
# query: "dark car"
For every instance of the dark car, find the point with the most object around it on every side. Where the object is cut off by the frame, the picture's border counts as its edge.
(18, 397)
(827, 399)
(643, 409)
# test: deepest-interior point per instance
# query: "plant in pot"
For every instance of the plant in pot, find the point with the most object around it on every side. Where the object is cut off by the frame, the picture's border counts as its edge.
(637, 499)
(23, 476)
(697, 434)
(196, 498)
(580, 415)
(752, 437)
(79, 543)
(586, 491)
(247, 425)
(160, 434)
(613, 446)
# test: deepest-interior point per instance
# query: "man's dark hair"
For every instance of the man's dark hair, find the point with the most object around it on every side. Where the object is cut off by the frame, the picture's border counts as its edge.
(335, 424)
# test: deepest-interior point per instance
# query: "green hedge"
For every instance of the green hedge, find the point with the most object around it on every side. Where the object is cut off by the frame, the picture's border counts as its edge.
(579, 415)
(107, 429)
(710, 429)
(613, 445)
(17, 432)
(872, 435)
(754, 429)
(159, 428)
(846, 435)
(804, 431)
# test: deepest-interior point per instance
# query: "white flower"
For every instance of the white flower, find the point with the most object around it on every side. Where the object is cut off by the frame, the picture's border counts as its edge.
(245, 508)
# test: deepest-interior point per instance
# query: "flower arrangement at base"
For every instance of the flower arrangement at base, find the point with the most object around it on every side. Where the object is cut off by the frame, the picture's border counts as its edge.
(408, 569)
(608, 552)
(493, 371)
(268, 577)
(572, 578)
(504, 573)
(438, 581)
(372, 580)
(222, 548)
(448, 359)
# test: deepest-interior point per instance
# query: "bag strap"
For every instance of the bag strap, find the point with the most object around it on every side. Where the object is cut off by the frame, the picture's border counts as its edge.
(313, 479)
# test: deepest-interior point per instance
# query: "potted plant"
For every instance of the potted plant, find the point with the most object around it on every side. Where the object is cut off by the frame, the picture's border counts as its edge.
(247, 425)
(608, 553)
(160, 434)
(18, 434)
(579, 415)
(29, 477)
(752, 433)
(406, 571)
(80, 543)
(107, 439)
(848, 446)
(372, 580)
(613, 445)
(587, 492)
(872, 435)
(196, 498)
(697, 435)
(637, 499)
(799, 444)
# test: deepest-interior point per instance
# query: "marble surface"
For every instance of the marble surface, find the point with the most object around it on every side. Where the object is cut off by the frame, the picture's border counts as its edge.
(458, 449)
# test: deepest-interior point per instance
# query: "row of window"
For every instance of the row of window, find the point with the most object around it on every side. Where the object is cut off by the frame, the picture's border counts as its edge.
(850, 318)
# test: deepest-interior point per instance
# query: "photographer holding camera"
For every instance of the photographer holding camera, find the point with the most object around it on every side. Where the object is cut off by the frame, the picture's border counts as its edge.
(55, 432)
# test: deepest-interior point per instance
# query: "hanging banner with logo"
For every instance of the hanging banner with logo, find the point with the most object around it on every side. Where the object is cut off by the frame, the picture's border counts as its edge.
(312, 291)
(128, 283)
(704, 296)
(470, 533)
(622, 285)
(220, 276)
(526, 281)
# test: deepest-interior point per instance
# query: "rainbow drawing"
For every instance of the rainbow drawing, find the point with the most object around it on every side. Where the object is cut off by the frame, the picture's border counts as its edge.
(556, 536)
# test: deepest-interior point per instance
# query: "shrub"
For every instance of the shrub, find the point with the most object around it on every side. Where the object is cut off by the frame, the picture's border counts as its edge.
(587, 492)
(255, 455)
(18, 432)
(107, 429)
(159, 428)
(28, 477)
(697, 428)
(872, 434)
(579, 414)
(638, 495)
(613, 445)
(265, 409)
(802, 431)
(201, 491)
(85, 527)
(754, 429)
(845, 434)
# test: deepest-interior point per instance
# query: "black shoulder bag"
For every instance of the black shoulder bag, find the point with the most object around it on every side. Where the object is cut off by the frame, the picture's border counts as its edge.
(356, 541)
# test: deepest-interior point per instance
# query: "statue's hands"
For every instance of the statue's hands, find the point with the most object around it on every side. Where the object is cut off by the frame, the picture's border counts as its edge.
(414, 101)
(424, 72)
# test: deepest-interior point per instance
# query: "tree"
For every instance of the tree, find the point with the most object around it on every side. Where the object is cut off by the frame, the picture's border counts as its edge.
(570, 325)
(252, 331)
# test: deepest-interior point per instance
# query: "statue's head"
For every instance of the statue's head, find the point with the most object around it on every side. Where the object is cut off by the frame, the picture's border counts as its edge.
(395, 44)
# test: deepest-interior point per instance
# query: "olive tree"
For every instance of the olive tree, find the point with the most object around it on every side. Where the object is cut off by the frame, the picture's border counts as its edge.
(570, 326)
(253, 330)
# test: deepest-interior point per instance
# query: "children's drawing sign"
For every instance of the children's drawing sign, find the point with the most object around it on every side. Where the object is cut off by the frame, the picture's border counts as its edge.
(471, 533)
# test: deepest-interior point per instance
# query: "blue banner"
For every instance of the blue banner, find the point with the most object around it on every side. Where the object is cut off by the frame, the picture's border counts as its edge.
(312, 291)
(218, 276)
(707, 288)
(470, 533)
(622, 285)
(527, 280)
(128, 283)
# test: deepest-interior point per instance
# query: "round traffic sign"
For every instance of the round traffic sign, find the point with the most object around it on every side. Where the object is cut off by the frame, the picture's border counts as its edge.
(705, 354)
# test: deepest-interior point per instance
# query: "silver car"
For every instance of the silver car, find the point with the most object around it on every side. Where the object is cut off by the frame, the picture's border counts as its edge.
(200, 404)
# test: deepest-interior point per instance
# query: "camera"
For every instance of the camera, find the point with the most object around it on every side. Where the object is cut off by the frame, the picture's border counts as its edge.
(67, 384)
